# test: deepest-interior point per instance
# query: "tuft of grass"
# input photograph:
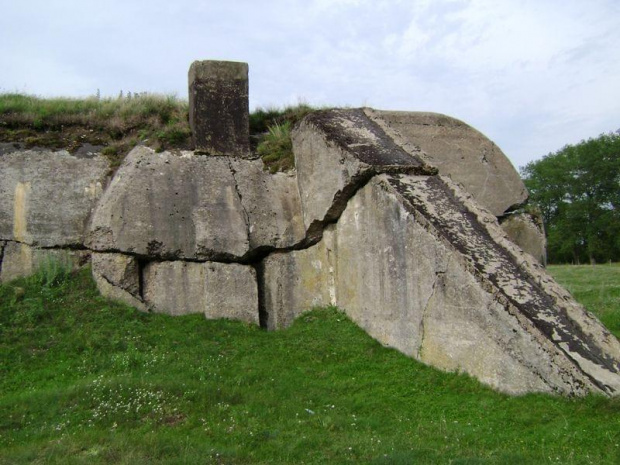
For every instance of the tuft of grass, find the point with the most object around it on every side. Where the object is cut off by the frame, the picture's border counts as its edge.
(276, 148)
(53, 271)
(86, 380)
(270, 133)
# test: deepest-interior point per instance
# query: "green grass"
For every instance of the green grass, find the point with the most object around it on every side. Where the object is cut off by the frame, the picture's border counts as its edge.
(119, 124)
(596, 287)
(84, 380)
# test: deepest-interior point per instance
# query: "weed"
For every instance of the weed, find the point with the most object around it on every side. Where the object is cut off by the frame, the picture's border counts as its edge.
(276, 148)
(52, 271)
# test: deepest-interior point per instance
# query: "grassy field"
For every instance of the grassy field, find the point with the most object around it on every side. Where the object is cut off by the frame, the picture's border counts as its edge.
(596, 287)
(84, 380)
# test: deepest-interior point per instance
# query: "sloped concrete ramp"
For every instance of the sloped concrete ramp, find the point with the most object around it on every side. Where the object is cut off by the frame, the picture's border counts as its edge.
(422, 267)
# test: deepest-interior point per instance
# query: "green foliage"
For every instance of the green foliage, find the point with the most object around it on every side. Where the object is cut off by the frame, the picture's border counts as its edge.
(262, 119)
(53, 271)
(118, 124)
(276, 148)
(84, 380)
(578, 192)
(270, 130)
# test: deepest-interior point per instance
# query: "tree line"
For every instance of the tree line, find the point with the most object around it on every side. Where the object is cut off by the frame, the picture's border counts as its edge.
(577, 191)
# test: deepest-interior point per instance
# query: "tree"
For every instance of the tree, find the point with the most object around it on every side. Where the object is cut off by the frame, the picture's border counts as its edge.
(577, 190)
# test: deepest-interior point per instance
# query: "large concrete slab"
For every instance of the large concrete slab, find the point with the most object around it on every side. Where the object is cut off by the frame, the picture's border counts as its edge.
(219, 290)
(337, 151)
(459, 151)
(46, 197)
(171, 206)
(422, 268)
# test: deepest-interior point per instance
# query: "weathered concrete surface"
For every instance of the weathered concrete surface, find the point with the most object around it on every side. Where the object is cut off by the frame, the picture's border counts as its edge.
(170, 206)
(459, 151)
(219, 107)
(231, 292)
(118, 278)
(271, 203)
(46, 198)
(19, 260)
(183, 206)
(296, 281)
(527, 231)
(175, 288)
(337, 151)
(497, 290)
(219, 290)
(417, 264)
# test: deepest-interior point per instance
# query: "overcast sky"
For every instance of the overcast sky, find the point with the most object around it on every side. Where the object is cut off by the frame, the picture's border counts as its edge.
(531, 75)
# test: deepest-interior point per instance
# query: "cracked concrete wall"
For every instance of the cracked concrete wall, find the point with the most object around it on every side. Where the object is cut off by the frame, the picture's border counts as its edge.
(47, 197)
(366, 224)
(190, 207)
(46, 200)
(446, 290)
(423, 267)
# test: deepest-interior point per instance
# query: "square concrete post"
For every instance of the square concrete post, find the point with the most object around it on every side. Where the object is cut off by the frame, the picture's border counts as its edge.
(219, 108)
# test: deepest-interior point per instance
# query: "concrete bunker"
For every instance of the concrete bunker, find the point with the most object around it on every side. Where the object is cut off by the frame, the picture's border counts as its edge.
(376, 219)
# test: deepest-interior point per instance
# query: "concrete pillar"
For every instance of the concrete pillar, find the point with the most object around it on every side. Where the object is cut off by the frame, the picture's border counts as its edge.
(219, 108)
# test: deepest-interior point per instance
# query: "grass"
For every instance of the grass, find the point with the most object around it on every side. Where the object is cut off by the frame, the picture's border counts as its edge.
(119, 124)
(596, 287)
(84, 380)
(276, 148)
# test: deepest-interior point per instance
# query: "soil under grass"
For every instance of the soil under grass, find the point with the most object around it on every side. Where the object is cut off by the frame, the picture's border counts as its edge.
(84, 380)
(116, 125)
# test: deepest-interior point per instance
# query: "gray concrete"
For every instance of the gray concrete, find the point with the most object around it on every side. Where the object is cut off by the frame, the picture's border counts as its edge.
(118, 278)
(175, 288)
(219, 108)
(219, 290)
(337, 151)
(528, 232)
(46, 197)
(171, 206)
(231, 292)
(459, 151)
(271, 203)
(297, 281)
(448, 289)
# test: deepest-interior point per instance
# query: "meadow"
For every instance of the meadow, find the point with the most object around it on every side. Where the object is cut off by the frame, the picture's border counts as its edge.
(86, 380)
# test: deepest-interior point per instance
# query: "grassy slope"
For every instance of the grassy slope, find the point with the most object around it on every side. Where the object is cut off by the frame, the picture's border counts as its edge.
(84, 380)
(119, 124)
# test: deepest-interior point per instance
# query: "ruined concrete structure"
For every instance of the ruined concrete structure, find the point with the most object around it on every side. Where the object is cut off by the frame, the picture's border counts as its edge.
(391, 216)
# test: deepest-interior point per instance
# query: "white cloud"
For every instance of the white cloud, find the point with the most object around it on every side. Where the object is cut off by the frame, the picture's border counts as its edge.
(532, 75)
